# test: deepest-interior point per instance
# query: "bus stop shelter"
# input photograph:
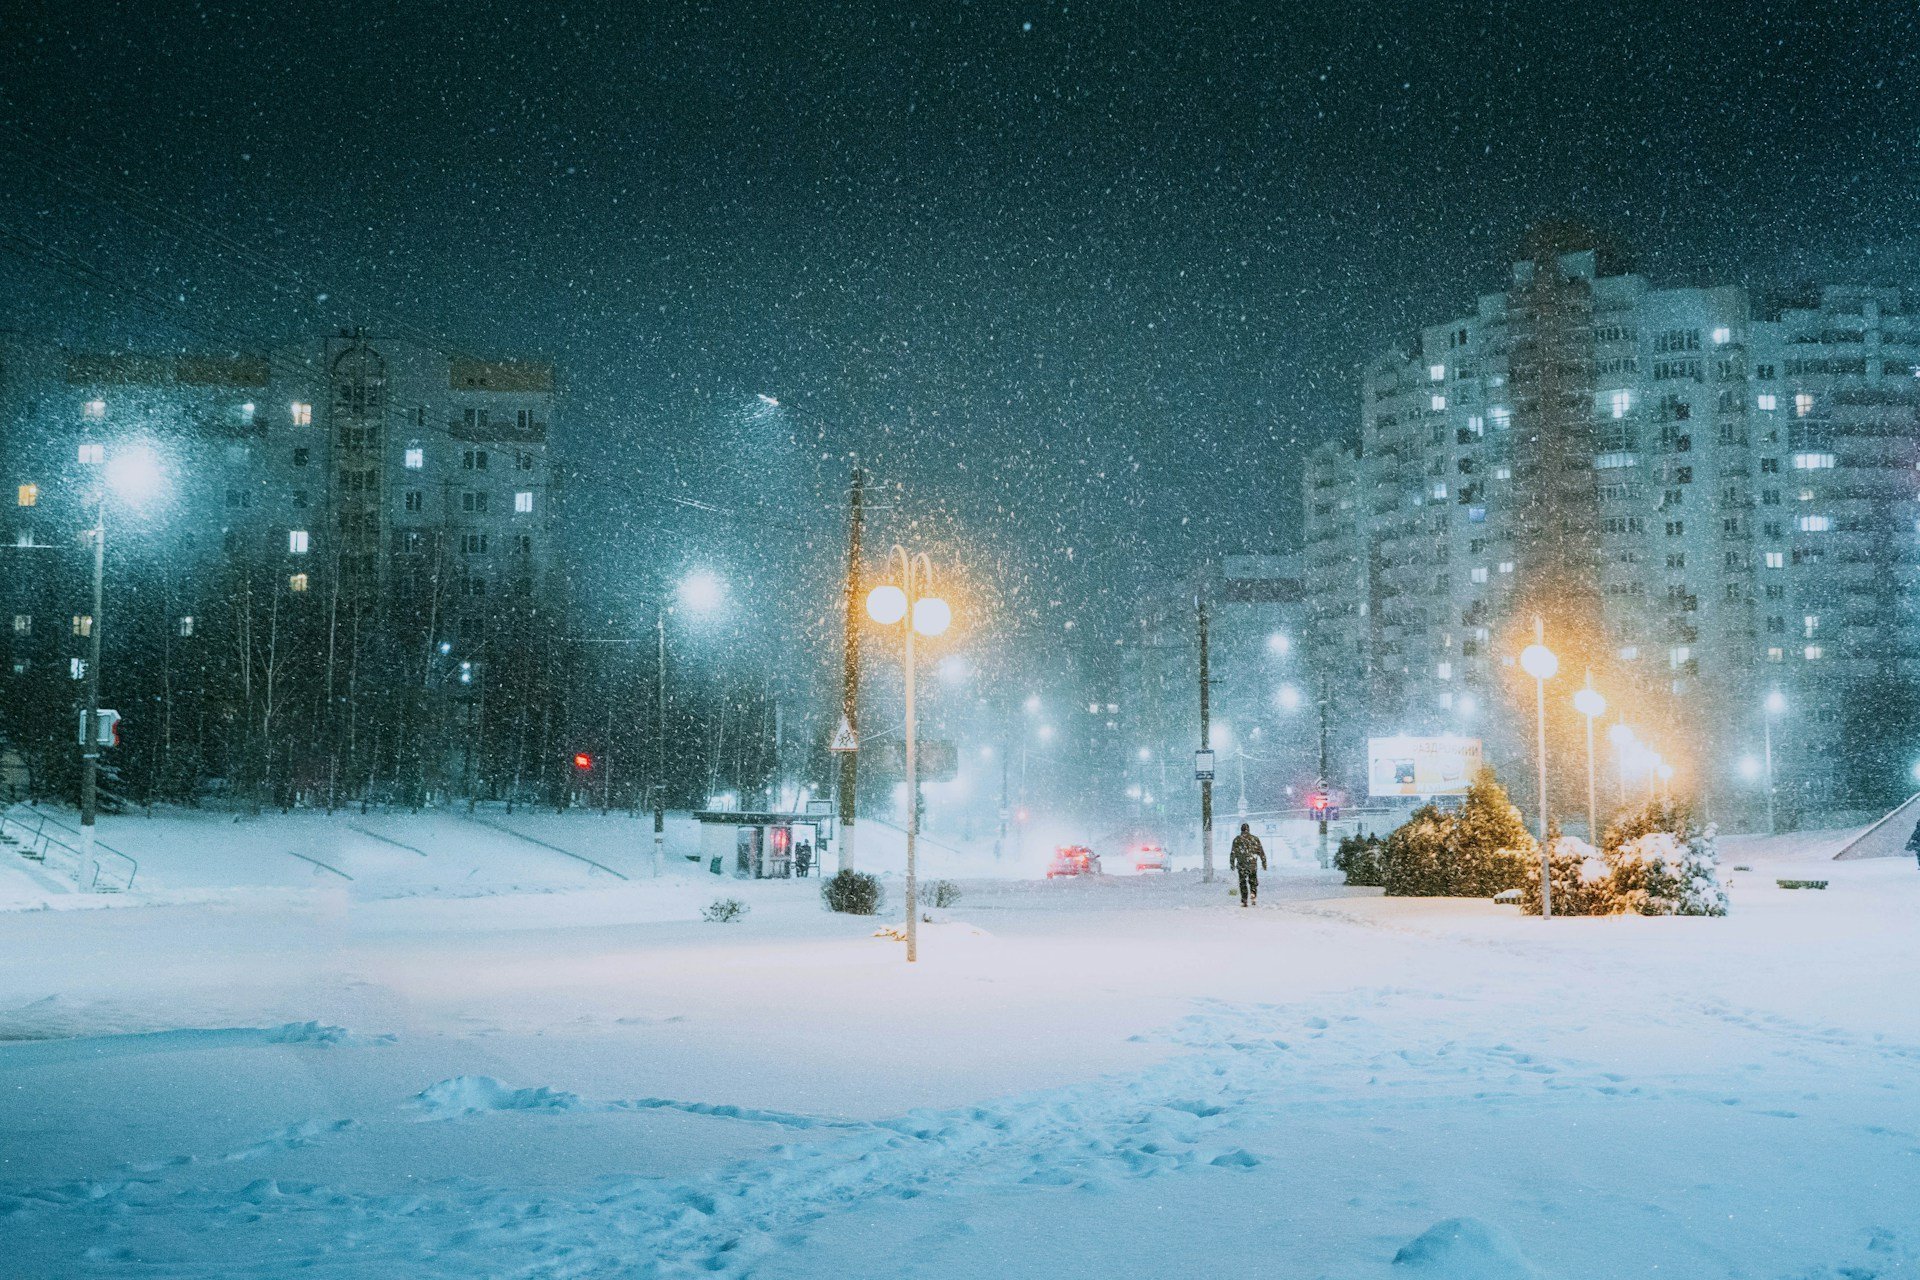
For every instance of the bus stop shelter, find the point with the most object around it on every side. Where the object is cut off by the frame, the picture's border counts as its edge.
(750, 845)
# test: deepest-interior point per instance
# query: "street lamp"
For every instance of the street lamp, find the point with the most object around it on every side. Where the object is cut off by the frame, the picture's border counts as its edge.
(134, 476)
(1539, 662)
(700, 592)
(912, 603)
(1621, 736)
(1589, 703)
(1775, 704)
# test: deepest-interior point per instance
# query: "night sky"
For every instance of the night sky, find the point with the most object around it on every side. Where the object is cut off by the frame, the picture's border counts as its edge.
(1083, 279)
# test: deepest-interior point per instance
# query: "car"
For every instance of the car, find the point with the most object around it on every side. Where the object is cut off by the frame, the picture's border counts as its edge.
(1073, 860)
(1151, 857)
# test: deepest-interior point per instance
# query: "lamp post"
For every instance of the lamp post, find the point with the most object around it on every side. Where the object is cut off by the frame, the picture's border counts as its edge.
(1539, 662)
(1775, 704)
(701, 592)
(1589, 703)
(134, 474)
(1621, 736)
(923, 613)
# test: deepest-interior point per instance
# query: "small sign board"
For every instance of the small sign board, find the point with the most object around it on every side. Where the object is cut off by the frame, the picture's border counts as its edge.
(107, 730)
(1203, 766)
(820, 808)
(844, 738)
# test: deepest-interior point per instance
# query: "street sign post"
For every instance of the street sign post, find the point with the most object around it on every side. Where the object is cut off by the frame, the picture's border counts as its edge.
(1203, 766)
(844, 738)
(107, 729)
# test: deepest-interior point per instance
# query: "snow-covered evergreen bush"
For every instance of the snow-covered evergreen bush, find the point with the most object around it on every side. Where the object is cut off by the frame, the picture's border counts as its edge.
(1359, 857)
(723, 910)
(940, 893)
(1582, 880)
(1657, 862)
(853, 893)
(1491, 846)
(1474, 852)
(1415, 854)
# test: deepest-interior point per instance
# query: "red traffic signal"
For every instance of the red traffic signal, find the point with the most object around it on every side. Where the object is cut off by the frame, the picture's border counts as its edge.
(1317, 802)
(581, 760)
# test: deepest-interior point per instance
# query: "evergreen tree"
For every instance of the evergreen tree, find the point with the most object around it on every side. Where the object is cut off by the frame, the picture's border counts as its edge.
(1491, 846)
(1416, 855)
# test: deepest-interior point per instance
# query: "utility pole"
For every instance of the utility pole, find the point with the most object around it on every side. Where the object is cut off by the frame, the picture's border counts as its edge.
(659, 736)
(1206, 744)
(1326, 796)
(1006, 766)
(850, 673)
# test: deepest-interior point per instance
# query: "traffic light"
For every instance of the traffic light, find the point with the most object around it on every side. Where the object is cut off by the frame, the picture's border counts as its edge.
(1318, 803)
(582, 761)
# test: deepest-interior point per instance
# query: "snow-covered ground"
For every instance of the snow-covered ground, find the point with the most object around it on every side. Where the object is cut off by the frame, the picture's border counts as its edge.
(482, 1057)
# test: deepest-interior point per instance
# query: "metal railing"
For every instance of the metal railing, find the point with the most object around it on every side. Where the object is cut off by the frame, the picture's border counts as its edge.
(32, 833)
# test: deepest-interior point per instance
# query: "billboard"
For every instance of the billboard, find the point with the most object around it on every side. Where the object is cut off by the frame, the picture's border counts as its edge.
(1404, 766)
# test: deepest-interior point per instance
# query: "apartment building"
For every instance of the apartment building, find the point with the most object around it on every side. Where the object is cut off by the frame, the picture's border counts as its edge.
(1704, 494)
(329, 522)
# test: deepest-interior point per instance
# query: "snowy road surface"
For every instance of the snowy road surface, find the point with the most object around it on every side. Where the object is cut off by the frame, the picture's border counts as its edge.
(1124, 1078)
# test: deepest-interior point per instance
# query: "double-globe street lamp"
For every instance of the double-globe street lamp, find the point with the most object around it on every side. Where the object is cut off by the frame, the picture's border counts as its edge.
(1539, 662)
(913, 604)
(1590, 704)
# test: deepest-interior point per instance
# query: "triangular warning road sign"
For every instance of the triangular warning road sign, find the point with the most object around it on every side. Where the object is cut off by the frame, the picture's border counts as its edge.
(844, 738)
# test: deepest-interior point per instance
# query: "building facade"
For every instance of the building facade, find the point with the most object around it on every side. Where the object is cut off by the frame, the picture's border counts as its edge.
(329, 565)
(1706, 495)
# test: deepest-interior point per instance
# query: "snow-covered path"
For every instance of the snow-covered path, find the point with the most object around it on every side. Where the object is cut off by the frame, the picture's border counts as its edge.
(1124, 1078)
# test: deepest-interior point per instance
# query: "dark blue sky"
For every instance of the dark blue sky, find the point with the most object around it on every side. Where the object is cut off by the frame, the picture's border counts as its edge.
(1082, 277)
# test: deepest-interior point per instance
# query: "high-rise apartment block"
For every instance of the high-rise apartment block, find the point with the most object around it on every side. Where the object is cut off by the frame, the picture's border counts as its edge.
(1706, 495)
(338, 531)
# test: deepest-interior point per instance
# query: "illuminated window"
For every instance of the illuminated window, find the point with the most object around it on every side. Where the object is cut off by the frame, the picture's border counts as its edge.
(302, 413)
(1620, 402)
(296, 542)
(523, 501)
(297, 582)
(23, 624)
(1443, 670)
(83, 624)
(29, 494)
(96, 409)
(1436, 373)
(1629, 652)
(1722, 335)
(1503, 473)
(1813, 652)
(92, 455)
(1438, 403)
(1776, 654)
(1815, 524)
(1812, 461)
(1802, 404)
(1476, 423)
(1439, 491)
(1502, 419)
(416, 459)
(1811, 625)
(246, 411)
(1768, 401)
(1479, 573)
(186, 624)
(1776, 559)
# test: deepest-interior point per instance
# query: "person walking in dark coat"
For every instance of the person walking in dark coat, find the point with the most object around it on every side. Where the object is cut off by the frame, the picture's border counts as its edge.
(1248, 857)
(1913, 842)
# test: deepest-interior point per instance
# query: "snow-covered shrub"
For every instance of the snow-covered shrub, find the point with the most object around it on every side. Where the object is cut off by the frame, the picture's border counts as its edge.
(1582, 880)
(723, 910)
(1359, 857)
(853, 893)
(940, 893)
(1414, 856)
(1661, 874)
(1491, 845)
(1475, 852)
(1656, 863)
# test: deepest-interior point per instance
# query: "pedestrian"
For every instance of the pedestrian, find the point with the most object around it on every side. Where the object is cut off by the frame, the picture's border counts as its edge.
(1913, 842)
(1248, 857)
